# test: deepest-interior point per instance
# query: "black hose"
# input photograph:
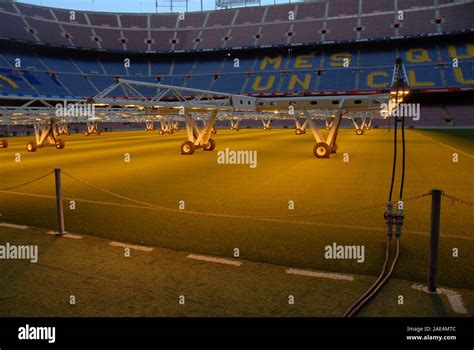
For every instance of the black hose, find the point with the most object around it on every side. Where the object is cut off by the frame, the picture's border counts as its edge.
(402, 183)
(394, 165)
(383, 278)
(380, 285)
(374, 285)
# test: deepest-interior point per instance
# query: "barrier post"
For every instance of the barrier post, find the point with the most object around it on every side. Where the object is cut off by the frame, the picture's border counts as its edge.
(434, 239)
(59, 201)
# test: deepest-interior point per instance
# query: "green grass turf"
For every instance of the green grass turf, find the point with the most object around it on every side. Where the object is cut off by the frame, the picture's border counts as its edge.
(105, 283)
(462, 138)
(286, 170)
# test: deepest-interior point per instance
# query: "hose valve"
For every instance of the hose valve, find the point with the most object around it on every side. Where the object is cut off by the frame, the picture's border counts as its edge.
(399, 217)
(389, 218)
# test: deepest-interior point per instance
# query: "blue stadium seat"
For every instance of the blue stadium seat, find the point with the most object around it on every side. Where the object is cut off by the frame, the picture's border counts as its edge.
(209, 66)
(27, 61)
(114, 67)
(45, 83)
(183, 67)
(101, 82)
(375, 78)
(298, 81)
(89, 65)
(200, 82)
(59, 64)
(244, 64)
(13, 82)
(229, 83)
(263, 82)
(337, 79)
(461, 76)
(138, 67)
(78, 84)
(427, 76)
(377, 58)
(160, 67)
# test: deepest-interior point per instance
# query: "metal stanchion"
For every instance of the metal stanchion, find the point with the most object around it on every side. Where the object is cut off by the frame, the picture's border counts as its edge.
(434, 240)
(59, 201)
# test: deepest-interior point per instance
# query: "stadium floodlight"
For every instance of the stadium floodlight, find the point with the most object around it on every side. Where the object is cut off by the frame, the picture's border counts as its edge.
(400, 86)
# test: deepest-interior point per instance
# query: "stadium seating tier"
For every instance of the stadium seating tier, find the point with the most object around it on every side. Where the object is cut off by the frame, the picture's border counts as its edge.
(321, 21)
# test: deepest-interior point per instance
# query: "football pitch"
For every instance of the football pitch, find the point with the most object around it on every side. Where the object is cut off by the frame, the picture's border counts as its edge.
(136, 187)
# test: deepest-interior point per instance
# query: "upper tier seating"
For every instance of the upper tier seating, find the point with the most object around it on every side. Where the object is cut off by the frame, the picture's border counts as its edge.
(321, 21)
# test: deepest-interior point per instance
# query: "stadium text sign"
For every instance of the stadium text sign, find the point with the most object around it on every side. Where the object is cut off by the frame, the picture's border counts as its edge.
(301, 74)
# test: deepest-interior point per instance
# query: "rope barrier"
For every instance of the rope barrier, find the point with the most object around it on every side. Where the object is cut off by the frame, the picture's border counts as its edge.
(458, 200)
(231, 216)
(26, 183)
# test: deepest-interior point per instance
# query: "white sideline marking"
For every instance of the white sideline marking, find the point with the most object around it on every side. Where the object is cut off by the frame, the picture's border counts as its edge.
(454, 298)
(65, 235)
(328, 275)
(445, 145)
(69, 235)
(214, 260)
(20, 227)
(131, 246)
